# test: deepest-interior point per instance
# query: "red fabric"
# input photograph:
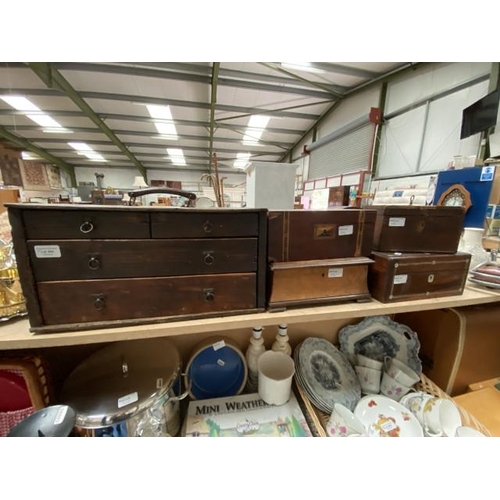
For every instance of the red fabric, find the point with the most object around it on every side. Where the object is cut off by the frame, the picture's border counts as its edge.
(10, 418)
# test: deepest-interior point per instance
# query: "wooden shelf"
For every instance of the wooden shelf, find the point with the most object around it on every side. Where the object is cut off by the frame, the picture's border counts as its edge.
(15, 334)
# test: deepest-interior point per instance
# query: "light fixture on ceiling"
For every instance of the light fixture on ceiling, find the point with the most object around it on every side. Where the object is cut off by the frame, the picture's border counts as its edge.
(27, 156)
(241, 160)
(301, 66)
(176, 156)
(255, 129)
(34, 113)
(163, 121)
(84, 149)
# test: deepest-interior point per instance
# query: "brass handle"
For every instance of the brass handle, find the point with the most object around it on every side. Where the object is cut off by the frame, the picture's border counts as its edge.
(86, 227)
(209, 294)
(207, 226)
(209, 258)
(94, 263)
(100, 302)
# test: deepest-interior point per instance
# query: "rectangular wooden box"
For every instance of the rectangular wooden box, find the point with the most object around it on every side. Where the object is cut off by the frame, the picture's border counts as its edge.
(89, 267)
(395, 276)
(296, 235)
(417, 229)
(318, 281)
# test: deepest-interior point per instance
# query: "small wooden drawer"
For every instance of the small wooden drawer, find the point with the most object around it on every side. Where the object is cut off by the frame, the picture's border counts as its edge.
(56, 260)
(206, 224)
(85, 224)
(68, 302)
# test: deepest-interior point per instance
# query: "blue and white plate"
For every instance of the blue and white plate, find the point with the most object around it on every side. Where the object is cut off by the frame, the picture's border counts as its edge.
(380, 336)
(216, 370)
(326, 375)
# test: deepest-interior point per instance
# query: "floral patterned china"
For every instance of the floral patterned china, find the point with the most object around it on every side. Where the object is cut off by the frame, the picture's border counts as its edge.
(383, 417)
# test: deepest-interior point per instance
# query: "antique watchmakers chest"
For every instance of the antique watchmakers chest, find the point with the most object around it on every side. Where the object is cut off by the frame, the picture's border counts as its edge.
(93, 266)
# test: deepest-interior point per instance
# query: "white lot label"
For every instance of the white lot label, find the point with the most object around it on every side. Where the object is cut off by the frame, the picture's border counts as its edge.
(400, 279)
(128, 399)
(61, 413)
(335, 272)
(47, 251)
(397, 221)
(345, 230)
(388, 426)
(219, 345)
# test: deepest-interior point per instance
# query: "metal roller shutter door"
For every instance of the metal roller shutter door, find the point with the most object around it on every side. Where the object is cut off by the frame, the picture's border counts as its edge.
(342, 152)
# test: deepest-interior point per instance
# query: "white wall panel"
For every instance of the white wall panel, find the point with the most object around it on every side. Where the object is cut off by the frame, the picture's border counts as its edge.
(400, 144)
(442, 136)
(429, 80)
(350, 109)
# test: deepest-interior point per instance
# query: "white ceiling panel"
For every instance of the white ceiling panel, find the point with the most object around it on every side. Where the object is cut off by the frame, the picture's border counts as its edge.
(211, 104)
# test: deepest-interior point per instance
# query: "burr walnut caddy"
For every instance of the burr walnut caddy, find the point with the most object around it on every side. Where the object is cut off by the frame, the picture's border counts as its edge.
(97, 266)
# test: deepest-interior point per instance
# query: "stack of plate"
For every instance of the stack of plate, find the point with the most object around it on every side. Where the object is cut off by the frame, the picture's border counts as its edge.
(325, 375)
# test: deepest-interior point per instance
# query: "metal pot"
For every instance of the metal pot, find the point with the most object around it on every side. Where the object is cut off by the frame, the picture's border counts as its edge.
(128, 388)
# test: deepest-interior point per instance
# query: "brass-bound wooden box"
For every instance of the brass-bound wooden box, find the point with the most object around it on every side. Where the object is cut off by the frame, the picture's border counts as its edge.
(408, 276)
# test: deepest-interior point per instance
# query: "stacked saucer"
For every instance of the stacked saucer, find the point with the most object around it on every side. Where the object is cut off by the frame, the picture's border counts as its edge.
(325, 375)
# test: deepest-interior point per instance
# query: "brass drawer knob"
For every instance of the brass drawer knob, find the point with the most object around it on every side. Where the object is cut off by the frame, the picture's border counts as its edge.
(94, 263)
(209, 258)
(100, 302)
(86, 227)
(207, 226)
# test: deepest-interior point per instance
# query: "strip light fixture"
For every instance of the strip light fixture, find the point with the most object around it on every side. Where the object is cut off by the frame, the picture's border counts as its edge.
(163, 121)
(255, 129)
(35, 114)
(176, 156)
(241, 160)
(84, 149)
(301, 66)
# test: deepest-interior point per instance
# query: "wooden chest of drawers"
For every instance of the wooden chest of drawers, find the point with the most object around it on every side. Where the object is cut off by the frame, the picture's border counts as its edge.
(84, 267)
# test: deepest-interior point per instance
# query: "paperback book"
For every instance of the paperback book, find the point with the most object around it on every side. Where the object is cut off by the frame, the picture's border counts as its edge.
(244, 416)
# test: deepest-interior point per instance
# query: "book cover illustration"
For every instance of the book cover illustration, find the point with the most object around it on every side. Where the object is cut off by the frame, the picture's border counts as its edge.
(245, 416)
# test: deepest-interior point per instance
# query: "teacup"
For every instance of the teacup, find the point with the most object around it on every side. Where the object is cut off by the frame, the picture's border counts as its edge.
(400, 372)
(369, 379)
(467, 432)
(369, 362)
(343, 423)
(415, 402)
(392, 388)
(441, 417)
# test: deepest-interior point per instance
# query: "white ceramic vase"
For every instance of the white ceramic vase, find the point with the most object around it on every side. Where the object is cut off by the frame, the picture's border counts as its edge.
(471, 242)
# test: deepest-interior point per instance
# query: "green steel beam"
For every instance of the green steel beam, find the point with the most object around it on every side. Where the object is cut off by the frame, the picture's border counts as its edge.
(305, 80)
(53, 79)
(40, 152)
(213, 102)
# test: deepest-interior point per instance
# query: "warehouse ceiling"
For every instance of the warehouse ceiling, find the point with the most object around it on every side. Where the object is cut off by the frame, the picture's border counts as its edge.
(171, 115)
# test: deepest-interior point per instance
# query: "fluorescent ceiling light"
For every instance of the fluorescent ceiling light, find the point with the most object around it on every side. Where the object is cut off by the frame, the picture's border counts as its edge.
(160, 112)
(20, 103)
(61, 130)
(301, 66)
(44, 120)
(163, 120)
(34, 113)
(85, 150)
(176, 156)
(255, 129)
(241, 160)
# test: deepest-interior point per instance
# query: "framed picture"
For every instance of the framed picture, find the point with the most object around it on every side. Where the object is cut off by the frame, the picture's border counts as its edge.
(34, 176)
